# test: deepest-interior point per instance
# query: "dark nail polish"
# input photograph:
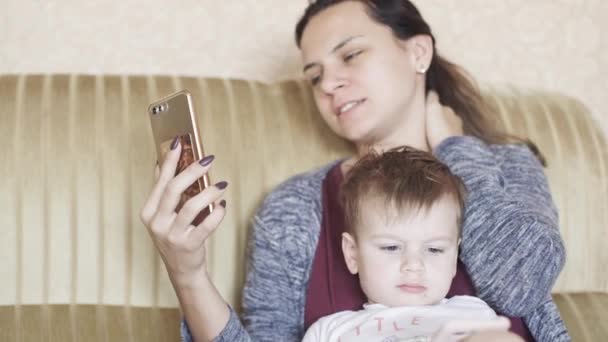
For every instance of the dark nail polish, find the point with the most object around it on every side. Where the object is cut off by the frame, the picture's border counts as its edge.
(223, 203)
(174, 143)
(207, 160)
(221, 185)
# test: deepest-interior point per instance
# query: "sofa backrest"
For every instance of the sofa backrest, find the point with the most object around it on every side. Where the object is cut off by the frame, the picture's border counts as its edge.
(77, 161)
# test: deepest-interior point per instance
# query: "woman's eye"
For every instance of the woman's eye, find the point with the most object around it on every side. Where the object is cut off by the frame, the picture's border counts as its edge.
(351, 55)
(315, 80)
(433, 250)
(390, 248)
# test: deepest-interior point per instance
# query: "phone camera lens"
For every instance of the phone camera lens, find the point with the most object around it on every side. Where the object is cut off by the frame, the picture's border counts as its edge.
(158, 109)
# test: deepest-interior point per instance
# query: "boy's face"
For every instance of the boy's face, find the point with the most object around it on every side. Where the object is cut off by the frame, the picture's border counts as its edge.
(406, 259)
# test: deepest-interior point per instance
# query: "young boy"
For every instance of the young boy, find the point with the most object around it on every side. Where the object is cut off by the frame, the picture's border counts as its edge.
(404, 210)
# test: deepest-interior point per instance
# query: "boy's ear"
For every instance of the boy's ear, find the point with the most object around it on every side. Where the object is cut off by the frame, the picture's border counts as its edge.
(351, 255)
(456, 261)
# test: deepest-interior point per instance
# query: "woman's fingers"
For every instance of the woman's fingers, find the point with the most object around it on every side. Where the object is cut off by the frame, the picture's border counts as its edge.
(201, 232)
(441, 121)
(156, 172)
(193, 238)
(175, 187)
(198, 203)
(432, 101)
(180, 244)
(165, 174)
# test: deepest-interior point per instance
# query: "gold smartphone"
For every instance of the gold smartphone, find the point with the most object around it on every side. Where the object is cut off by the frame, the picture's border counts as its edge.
(171, 117)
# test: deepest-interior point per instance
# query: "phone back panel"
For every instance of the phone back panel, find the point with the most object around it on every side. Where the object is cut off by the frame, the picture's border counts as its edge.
(174, 116)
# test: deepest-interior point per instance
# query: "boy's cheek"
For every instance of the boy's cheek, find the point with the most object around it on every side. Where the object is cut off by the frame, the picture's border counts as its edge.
(378, 261)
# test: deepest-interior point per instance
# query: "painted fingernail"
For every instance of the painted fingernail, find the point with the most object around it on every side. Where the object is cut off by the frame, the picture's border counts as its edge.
(223, 203)
(221, 185)
(207, 160)
(174, 143)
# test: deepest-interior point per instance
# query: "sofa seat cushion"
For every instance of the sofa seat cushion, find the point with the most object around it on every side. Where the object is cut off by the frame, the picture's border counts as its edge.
(65, 323)
(584, 314)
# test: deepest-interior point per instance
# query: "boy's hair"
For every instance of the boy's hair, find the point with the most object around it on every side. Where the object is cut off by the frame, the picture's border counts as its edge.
(405, 179)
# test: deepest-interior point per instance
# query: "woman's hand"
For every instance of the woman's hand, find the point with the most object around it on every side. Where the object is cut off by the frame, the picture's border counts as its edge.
(441, 121)
(180, 244)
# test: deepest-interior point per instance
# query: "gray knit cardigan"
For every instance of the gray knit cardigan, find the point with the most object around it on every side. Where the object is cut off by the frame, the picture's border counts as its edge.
(511, 244)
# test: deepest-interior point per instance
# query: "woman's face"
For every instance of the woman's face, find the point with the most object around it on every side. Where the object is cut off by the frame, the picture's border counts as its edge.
(364, 79)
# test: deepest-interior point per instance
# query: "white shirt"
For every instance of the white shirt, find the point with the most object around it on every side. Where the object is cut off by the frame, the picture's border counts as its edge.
(379, 323)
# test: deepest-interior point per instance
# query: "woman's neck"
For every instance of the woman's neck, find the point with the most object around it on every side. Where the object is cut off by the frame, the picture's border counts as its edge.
(411, 138)
(411, 131)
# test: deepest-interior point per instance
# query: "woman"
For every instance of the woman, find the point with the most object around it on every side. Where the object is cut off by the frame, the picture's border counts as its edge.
(378, 82)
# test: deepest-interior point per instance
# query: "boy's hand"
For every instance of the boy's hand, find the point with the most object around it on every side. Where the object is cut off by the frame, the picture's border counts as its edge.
(459, 330)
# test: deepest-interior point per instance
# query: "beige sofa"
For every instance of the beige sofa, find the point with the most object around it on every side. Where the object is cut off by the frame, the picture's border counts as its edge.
(77, 161)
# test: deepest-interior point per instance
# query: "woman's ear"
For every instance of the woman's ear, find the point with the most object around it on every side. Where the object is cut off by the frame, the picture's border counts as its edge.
(421, 48)
(351, 254)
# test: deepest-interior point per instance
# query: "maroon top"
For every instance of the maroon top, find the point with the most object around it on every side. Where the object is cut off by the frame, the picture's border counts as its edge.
(331, 287)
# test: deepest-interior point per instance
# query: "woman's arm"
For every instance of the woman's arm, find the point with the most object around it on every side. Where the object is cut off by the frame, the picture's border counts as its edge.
(547, 315)
(206, 309)
(271, 305)
(181, 244)
(511, 244)
(272, 297)
(280, 250)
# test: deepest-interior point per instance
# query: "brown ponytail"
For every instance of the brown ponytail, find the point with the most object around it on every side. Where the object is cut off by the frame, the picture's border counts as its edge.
(458, 91)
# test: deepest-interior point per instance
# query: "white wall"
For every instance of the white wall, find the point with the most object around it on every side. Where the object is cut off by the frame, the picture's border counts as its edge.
(551, 44)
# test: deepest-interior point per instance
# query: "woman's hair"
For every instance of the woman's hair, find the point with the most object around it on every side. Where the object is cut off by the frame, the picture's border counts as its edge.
(451, 82)
(400, 180)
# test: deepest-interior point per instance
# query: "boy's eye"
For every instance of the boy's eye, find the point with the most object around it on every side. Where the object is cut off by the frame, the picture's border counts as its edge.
(433, 250)
(390, 248)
